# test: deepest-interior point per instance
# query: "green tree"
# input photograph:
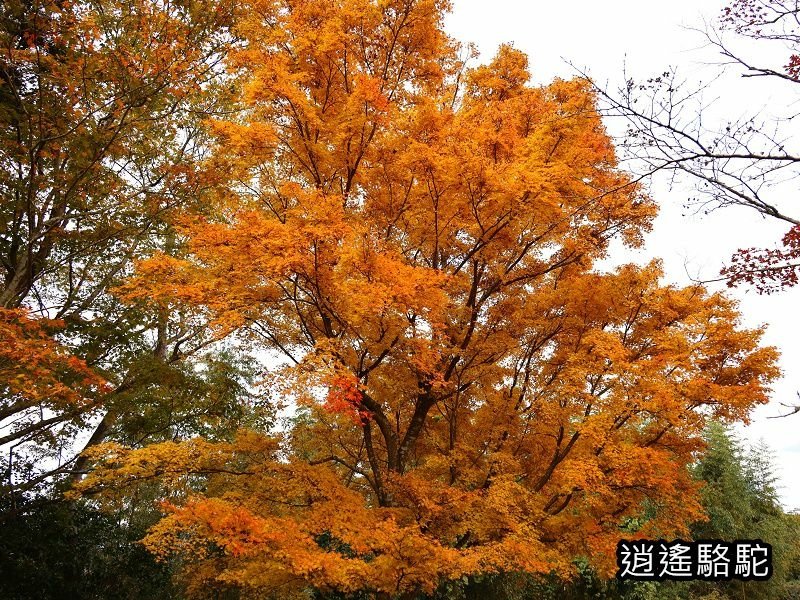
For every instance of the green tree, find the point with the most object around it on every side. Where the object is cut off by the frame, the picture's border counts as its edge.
(64, 550)
(102, 117)
(741, 500)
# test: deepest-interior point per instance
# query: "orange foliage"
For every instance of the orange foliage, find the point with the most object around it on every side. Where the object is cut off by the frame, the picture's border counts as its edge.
(344, 397)
(419, 238)
(41, 382)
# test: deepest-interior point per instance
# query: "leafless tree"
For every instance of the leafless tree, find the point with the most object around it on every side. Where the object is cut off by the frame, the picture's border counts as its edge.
(671, 127)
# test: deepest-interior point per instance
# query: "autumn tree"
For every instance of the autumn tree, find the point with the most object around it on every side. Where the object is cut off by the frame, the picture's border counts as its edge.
(102, 107)
(417, 239)
(751, 162)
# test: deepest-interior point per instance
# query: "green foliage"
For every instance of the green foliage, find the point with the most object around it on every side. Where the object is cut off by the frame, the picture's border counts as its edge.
(741, 500)
(212, 396)
(62, 550)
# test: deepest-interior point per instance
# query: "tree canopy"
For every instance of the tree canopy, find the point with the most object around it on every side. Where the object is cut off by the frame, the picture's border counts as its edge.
(418, 239)
(313, 304)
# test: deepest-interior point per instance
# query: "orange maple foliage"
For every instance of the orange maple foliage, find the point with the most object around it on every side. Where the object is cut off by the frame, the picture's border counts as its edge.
(418, 239)
(43, 387)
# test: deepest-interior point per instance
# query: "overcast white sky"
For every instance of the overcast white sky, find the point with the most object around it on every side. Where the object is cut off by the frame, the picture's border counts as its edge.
(648, 37)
